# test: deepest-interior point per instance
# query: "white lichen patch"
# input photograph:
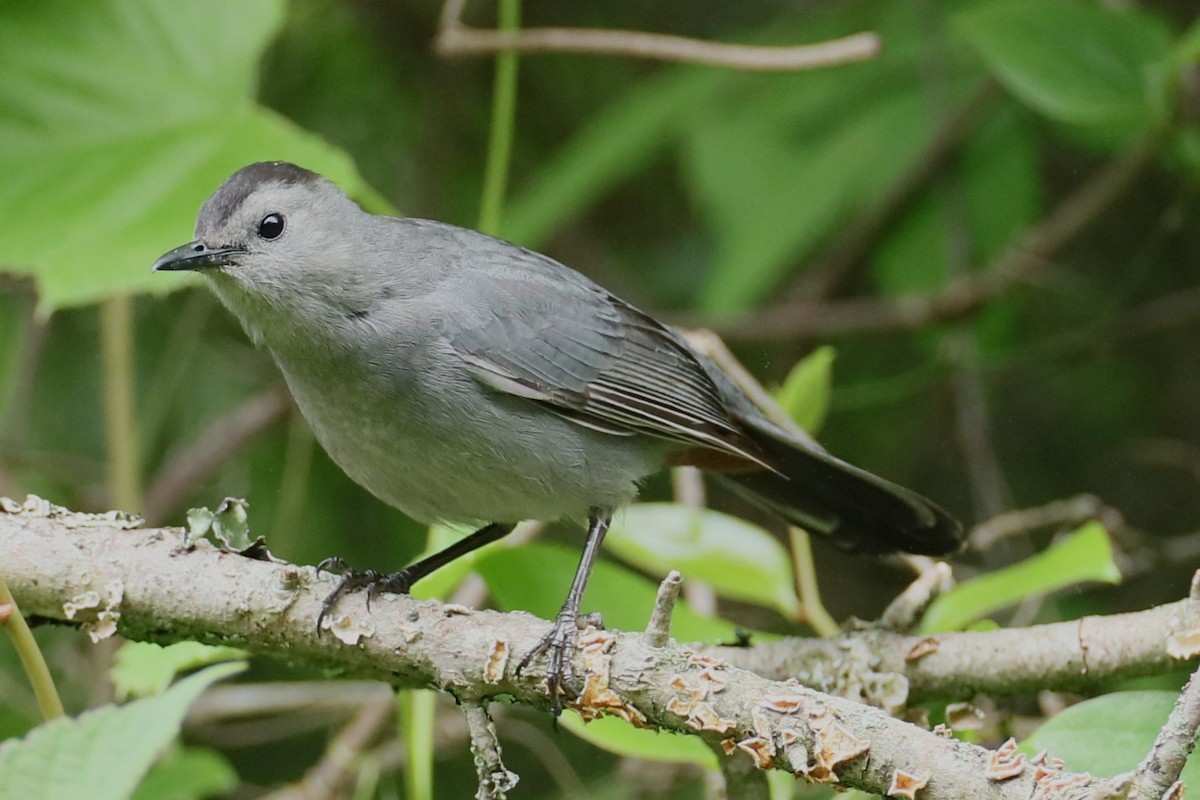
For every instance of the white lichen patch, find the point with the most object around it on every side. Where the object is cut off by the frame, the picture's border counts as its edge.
(1184, 645)
(907, 784)
(81, 602)
(761, 750)
(964, 716)
(99, 612)
(704, 717)
(1005, 763)
(348, 630)
(835, 744)
(35, 506)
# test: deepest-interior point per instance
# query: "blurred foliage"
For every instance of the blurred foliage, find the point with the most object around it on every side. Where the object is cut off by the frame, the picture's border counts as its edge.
(1079, 557)
(1104, 735)
(105, 752)
(701, 194)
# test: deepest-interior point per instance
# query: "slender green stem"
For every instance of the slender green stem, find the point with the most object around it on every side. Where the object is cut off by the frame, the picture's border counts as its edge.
(30, 655)
(1187, 50)
(297, 465)
(806, 582)
(116, 347)
(504, 112)
(418, 709)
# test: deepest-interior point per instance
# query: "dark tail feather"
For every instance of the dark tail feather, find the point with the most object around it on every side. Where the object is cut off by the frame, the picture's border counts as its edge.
(853, 508)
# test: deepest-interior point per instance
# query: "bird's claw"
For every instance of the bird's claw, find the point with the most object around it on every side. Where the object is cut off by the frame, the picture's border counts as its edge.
(560, 643)
(373, 581)
(334, 565)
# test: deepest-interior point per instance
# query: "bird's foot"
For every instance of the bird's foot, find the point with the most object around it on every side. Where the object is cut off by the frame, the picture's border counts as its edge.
(373, 581)
(559, 643)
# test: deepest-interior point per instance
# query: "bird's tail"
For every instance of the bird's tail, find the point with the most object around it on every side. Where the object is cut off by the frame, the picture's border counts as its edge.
(853, 508)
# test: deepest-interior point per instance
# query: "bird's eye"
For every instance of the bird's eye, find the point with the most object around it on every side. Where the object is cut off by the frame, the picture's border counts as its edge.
(271, 226)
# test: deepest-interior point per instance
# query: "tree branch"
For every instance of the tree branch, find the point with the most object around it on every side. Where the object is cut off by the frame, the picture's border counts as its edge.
(108, 574)
(456, 38)
(1158, 774)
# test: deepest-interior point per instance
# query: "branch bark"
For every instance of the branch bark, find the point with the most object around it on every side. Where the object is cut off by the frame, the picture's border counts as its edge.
(456, 38)
(105, 572)
(1078, 655)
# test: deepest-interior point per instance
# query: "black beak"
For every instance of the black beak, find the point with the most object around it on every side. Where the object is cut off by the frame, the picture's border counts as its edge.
(196, 255)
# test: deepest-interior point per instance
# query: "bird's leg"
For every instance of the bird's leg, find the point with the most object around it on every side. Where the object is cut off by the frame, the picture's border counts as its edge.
(564, 634)
(400, 582)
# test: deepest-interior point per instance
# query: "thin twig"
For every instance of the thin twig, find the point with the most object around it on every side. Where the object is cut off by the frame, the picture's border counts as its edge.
(338, 769)
(495, 780)
(1072, 511)
(545, 749)
(973, 426)
(933, 578)
(658, 630)
(711, 345)
(687, 486)
(455, 38)
(1160, 769)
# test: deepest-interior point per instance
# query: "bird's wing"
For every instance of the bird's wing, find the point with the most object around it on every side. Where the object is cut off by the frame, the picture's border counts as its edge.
(592, 358)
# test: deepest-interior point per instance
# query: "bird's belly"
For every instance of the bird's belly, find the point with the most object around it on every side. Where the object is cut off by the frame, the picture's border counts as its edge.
(466, 454)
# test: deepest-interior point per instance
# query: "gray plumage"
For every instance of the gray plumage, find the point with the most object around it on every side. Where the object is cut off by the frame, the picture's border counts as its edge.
(465, 379)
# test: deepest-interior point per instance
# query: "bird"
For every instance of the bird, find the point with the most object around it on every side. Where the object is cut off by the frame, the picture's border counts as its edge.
(464, 379)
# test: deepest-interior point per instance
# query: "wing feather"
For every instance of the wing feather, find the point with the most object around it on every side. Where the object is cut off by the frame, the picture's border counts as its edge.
(596, 361)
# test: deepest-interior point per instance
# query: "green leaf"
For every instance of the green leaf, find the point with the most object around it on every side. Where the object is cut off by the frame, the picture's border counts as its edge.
(805, 393)
(141, 669)
(1083, 555)
(621, 139)
(188, 773)
(998, 170)
(1079, 63)
(117, 119)
(535, 578)
(621, 738)
(739, 560)
(999, 173)
(827, 144)
(229, 525)
(1110, 734)
(762, 201)
(102, 754)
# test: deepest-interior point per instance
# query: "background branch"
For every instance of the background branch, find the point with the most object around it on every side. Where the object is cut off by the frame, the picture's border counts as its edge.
(455, 38)
(1159, 771)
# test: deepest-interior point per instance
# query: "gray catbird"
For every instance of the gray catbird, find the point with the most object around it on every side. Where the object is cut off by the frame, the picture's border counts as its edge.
(461, 378)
